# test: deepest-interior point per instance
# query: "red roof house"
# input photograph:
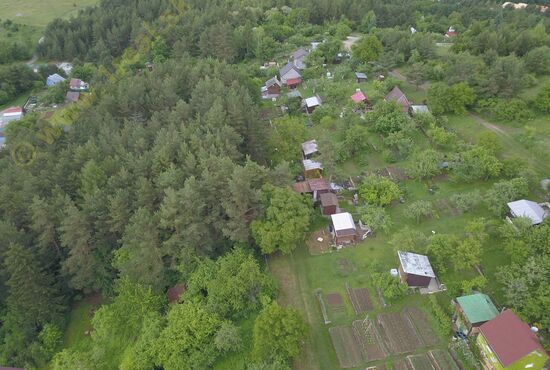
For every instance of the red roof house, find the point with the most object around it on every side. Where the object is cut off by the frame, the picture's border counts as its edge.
(12, 114)
(292, 83)
(359, 97)
(175, 292)
(508, 340)
(451, 32)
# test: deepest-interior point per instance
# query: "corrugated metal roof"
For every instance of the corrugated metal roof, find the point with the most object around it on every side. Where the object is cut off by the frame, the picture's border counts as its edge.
(529, 209)
(313, 102)
(416, 264)
(420, 109)
(311, 165)
(477, 307)
(309, 147)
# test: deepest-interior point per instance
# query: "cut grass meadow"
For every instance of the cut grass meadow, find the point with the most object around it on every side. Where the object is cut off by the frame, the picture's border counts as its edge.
(39, 13)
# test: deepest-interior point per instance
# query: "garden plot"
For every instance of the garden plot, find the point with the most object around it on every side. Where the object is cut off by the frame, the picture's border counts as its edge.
(397, 173)
(442, 360)
(398, 332)
(422, 325)
(348, 349)
(420, 362)
(400, 365)
(335, 301)
(360, 299)
(371, 342)
(377, 367)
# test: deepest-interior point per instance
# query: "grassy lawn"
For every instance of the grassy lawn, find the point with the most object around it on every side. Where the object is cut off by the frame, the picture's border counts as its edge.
(239, 360)
(39, 13)
(19, 101)
(79, 324)
(25, 34)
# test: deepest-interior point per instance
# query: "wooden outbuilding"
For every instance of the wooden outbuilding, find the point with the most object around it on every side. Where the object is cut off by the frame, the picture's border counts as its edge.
(309, 149)
(360, 77)
(397, 96)
(472, 311)
(273, 86)
(310, 104)
(344, 231)
(415, 269)
(312, 169)
(329, 203)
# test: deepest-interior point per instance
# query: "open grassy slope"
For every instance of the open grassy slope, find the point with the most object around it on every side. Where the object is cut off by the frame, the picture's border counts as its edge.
(39, 13)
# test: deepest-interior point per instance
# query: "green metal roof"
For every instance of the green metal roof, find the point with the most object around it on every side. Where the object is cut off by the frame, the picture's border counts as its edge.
(477, 307)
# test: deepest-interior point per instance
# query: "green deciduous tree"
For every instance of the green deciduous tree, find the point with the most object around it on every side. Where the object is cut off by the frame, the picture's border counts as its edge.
(234, 285)
(542, 101)
(507, 77)
(187, 341)
(536, 60)
(467, 253)
(285, 141)
(287, 218)
(505, 191)
(387, 117)
(409, 239)
(490, 141)
(228, 338)
(368, 49)
(465, 202)
(378, 191)
(119, 324)
(477, 163)
(450, 99)
(278, 333)
(424, 164)
(419, 209)
(392, 288)
(441, 249)
(376, 218)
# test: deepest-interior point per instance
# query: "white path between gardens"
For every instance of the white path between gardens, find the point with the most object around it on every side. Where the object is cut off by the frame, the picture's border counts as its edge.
(350, 41)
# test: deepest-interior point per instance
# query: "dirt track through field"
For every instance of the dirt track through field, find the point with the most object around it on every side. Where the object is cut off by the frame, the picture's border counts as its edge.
(507, 139)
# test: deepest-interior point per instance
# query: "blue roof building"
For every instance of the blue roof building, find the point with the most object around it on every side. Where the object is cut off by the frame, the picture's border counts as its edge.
(54, 80)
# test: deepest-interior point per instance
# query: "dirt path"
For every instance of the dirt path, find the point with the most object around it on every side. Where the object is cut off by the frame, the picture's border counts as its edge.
(32, 60)
(350, 41)
(401, 77)
(490, 126)
(542, 166)
(396, 74)
(508, 140)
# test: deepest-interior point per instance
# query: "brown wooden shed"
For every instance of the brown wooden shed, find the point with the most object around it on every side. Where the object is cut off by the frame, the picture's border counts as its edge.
(344, 230)
(415, 269)
(329, 204)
